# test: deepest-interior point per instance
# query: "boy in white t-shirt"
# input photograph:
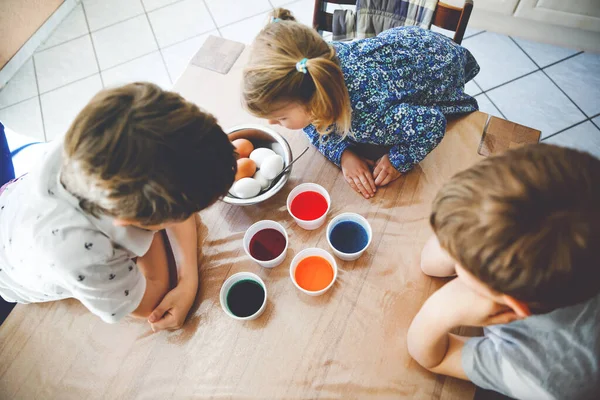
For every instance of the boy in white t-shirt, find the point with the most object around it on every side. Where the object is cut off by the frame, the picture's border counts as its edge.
(137, 160)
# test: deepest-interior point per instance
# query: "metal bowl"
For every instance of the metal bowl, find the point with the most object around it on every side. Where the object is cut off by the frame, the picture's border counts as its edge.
(262, 136)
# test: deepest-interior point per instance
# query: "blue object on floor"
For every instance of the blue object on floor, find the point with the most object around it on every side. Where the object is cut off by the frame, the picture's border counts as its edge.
(18, 149)
(7, 172)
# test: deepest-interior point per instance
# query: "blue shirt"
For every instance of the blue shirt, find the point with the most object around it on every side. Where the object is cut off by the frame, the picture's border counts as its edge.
(548, 356)
(402, 84)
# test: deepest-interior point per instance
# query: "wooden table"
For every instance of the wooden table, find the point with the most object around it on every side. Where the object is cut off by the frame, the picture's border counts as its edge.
(348, 343)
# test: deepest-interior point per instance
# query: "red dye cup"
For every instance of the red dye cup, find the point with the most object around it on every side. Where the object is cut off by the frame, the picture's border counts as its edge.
(308, 204)
(263, 243)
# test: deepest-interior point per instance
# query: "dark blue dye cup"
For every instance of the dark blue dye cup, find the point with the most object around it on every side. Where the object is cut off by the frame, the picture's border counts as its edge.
(349, 235)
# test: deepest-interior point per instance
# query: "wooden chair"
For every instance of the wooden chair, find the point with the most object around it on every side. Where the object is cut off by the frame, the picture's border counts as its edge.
(448, 17)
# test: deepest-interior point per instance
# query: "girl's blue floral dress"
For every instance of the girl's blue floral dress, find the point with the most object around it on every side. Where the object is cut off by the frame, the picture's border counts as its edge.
(402, 84)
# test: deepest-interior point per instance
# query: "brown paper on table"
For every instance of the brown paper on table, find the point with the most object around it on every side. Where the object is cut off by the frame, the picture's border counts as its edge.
(218, 54)
(347, 344)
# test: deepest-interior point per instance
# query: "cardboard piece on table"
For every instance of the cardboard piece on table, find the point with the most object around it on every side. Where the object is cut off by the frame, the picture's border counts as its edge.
(501, 135)
(218, 54)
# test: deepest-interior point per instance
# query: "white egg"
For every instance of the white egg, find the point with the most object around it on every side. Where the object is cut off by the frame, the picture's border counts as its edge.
(246, 188)
(264, 182)
(260, 154)
(271, 166)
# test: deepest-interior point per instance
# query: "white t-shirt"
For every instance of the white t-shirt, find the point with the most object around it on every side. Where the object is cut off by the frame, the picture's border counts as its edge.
(50, 249)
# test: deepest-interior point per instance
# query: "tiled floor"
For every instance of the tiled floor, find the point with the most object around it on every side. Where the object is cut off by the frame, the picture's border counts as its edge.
(108, 42)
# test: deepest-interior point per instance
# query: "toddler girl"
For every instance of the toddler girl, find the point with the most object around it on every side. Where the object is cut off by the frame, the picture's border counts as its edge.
(375, 107)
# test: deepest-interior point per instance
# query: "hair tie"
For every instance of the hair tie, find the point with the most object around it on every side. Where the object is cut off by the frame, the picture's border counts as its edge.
(301, 66)
(273, 19)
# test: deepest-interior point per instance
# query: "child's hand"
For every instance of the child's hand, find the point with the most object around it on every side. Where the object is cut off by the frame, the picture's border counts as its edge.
(170, 314)
(358, 174)
(384, 171)
(465, 307)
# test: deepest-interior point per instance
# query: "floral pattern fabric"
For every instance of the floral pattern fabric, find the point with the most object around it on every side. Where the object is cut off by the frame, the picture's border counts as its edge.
(402, 85)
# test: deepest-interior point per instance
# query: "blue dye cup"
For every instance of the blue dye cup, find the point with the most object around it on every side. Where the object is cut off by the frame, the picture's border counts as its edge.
(355, 238)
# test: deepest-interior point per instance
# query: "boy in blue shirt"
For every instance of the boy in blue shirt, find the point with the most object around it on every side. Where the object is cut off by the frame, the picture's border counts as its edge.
(522, 233)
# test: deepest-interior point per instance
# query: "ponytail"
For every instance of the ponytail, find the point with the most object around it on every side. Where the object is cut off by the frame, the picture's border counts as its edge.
(281, 14)
(291, 63)
(330, 103)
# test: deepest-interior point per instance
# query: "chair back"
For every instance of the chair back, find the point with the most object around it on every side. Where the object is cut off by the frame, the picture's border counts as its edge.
(446, 16)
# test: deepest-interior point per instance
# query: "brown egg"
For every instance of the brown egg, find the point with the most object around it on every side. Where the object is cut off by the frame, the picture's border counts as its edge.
(245, 168)
(243, 147)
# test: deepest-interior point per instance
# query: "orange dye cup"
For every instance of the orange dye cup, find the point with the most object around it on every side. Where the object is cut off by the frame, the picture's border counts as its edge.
(313, 271)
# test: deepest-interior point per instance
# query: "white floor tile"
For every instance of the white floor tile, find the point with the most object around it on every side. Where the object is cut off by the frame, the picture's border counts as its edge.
(471, 32)
(282, 3)
(22, 86)
(584, 137)
(124, 42)
(70, 28)
(101, 13)
(534, 101)
(245, 31)
(24, 118)
(226, 12)
(150, 5)
(178, 56)
(180, 21)
(472, 89)
(579, 77)
(148, 68)
(16, 140)
(302, 11)
(544, 54)
(486, 106)
(65, 63)
(62, 105)
(499, 57)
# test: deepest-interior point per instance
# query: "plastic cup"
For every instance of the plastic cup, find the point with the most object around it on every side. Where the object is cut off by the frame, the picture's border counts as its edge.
(359, 219)
(240, 276)
(257, 227)
(313, 251)
(309, 187)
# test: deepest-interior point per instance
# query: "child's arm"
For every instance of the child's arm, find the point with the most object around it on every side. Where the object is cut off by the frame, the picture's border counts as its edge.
(454, 305)
(172, 311)
(429, 340)
(421, 129)
(435, 261)
(331, 146)
(154, 267)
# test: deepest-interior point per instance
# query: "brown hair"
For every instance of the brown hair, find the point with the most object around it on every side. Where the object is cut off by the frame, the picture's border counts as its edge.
(271, 80)
(138, 152)
(526, 223)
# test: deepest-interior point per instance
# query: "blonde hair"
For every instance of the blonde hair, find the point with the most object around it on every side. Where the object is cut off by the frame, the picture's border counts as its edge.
(271, 80)
(526, 223)
(141, 153)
